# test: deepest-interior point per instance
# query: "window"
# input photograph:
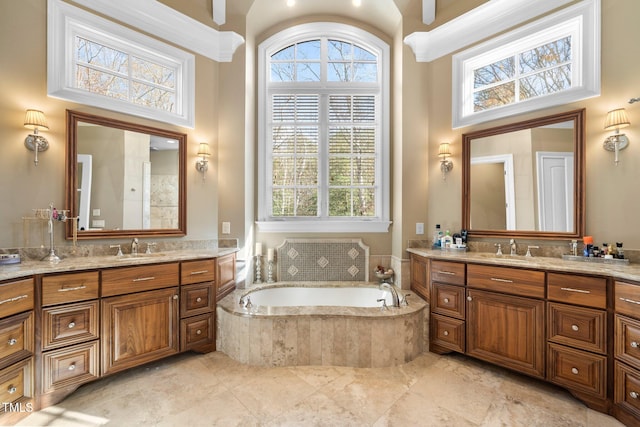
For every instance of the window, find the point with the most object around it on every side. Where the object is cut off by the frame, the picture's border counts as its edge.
(323, 162)
(94, 61)
(552, 61)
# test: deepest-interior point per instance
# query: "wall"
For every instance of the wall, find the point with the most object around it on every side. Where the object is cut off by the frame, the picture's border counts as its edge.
(23, 85)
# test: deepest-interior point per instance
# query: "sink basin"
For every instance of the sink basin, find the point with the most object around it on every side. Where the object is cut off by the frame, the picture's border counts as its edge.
(129, 257)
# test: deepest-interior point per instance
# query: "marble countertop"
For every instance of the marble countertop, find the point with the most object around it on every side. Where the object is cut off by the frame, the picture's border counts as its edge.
(617, 271)
(30, 268)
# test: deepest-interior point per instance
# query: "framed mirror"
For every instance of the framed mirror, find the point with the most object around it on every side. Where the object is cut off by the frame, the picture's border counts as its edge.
(124, 179)
(525, 179)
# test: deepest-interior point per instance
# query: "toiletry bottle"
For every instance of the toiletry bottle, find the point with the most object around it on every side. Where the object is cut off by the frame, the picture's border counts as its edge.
(437, 235)
(446, 241)
(619, 250)
(588, 246)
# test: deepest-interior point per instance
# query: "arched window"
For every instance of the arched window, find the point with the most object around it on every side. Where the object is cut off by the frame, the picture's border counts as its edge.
(323, 130)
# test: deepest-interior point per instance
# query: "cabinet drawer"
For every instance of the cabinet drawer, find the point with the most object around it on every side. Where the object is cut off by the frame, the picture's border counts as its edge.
(448, 300)
(197, 299)
(627, 299)
(627, 342)
(198, 271)
(69, 288)
(70, 366)
(627, 388)
(126, 280)
(580, 327)
(581, 290)
(447, 332)
(16, 383)
(578, 370)
(16, 338)
(448, 272)
(16, 297)
(528, 283)
(196, 331)
(69, 324)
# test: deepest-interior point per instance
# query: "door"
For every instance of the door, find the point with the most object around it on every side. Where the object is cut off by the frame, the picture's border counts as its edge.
(555, 191)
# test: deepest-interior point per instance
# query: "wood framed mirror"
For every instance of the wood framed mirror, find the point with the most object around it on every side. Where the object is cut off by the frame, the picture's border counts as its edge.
(525, 179)
(124, 179)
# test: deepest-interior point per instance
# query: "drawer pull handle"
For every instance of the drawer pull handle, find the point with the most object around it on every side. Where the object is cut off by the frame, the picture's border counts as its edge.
(634, 344)
(495, 279)
(12, 341)
(175, 297)
(198, 332)
(634, 395)
(575, 328)
(574, 371)
(143, 279)
(72, 367)
(18, 298)
(71, 325)
(12, 389)
(193, 273)
(629, 300)
(580, 291)
(77, 288)
(447, 273)
(198, 299)
(445, 333)
(469, 298)
(446, 300)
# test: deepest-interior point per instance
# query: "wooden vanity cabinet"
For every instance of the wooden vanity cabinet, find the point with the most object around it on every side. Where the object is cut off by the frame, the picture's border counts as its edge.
(420, 276)
(447, 321)
(225, 275)
(17, 348)
(197, 305)
(627, 352)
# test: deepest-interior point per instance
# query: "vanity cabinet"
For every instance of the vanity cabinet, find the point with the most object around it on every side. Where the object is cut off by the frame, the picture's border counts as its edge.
(197, 305)
(447, 322)
(17, 348)
(505, 317)
(420, 276)
(627, 352)
(225, 275)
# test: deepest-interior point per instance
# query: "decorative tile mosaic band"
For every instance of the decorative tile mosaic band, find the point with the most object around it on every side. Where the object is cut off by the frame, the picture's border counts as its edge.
(323, 260)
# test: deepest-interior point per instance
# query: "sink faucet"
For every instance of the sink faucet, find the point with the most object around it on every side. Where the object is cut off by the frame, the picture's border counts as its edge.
(514, 247)
(394, 293)
(134, 246)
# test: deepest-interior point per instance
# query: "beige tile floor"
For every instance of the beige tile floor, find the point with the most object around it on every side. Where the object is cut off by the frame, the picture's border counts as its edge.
(213, 390)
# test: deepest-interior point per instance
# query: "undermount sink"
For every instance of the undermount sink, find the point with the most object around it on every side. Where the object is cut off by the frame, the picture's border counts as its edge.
(129, 257)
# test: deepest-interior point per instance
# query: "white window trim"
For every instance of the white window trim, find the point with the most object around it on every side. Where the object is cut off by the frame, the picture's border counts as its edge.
(66, 21)
(292, 35)
(586, 51)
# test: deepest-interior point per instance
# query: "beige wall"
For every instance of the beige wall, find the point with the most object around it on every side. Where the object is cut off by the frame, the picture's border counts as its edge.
(226, 118)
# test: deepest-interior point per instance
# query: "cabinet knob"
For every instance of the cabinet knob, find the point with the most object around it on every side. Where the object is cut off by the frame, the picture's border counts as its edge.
(198, 299)
(12, 341)
(71, 325)
(574, 371)
(72, 367)
(445, 333)
(634, 344)
(198, 332)
(469, 298)
(634, 395)
(175, 297)
(446, 300)
(575, 327)
(12, 389)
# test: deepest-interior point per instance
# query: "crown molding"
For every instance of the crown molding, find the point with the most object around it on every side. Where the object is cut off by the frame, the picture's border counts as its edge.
(162, 21)
(484, 21)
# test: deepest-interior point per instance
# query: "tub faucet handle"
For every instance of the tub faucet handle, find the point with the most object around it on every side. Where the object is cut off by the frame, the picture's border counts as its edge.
(384, 304)
(403, 301)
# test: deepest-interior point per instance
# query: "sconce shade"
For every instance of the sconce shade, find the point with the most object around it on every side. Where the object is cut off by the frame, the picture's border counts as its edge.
(35, 119)
(616, 119)
(443, 150)
(203, 150)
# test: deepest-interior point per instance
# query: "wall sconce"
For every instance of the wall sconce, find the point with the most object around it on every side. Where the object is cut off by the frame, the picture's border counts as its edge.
(616, 120)
(35, 119)
(445, 163)
(202, 164)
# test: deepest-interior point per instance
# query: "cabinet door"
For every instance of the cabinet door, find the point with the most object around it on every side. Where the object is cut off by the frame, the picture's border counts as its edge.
(506, 330)
(226, 275)
(419, 274)
(139, 328)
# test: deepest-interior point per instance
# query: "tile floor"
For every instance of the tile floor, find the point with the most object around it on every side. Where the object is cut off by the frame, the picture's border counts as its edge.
(213, 390)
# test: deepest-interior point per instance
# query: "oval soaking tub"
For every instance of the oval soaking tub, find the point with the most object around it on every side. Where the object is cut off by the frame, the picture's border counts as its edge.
(320, 323)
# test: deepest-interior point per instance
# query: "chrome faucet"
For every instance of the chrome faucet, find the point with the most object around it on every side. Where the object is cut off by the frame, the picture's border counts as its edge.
(394, 293)
(134, 246)
(514, 247)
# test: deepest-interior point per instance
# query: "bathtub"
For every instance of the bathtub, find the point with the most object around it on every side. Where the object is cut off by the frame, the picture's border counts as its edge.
(326, 323)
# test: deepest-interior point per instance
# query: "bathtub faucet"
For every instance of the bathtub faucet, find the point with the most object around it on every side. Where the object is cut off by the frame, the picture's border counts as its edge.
(394, 293)
(245, 301)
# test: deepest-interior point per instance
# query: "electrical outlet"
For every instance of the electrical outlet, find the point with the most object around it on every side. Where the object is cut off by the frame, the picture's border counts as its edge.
(96, 212)
(98, 223)
(419, 227)
(226, 228)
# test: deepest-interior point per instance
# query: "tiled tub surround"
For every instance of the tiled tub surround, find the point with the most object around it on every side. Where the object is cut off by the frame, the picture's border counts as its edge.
(320, 335)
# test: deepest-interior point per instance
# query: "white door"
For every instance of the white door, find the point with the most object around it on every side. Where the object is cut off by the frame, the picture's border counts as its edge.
(555, 191)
